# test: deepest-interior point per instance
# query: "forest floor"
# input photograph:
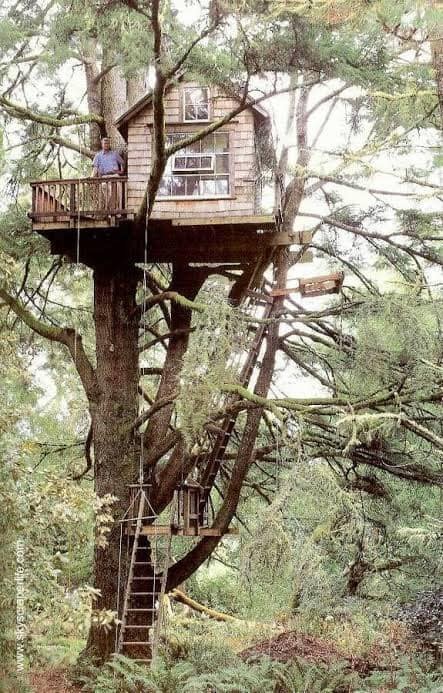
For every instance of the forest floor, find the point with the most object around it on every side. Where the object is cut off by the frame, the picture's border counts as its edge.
(291, 645)
(51, 681)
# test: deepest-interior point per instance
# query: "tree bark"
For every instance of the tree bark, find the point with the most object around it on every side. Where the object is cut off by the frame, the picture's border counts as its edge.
(113, 97)
(115, 446)
(436, 39)
(187, 282)
(93, 90)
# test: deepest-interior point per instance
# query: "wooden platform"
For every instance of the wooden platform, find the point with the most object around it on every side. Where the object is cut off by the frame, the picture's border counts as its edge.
(235, 239)
(88, 220)
(166, 530)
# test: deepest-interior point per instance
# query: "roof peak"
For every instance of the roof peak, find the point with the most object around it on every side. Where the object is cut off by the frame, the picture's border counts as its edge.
(133, 110)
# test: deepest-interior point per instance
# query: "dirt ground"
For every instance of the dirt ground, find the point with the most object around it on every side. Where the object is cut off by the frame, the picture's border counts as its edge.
(51, 681)
(290, 645)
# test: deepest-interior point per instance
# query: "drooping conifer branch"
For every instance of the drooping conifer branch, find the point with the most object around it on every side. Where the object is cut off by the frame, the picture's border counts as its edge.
(64, 335)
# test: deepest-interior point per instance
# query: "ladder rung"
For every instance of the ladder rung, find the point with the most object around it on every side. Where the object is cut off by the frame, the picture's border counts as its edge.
(136, 626)
(141, 609)
(136, 642)
(145, 577)
(144, 594)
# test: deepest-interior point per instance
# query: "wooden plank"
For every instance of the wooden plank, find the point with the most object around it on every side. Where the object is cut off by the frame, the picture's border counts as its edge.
(284, 292)
(334, 276)
(212, 532)
(165, 530)
(258, 221)
(284, 238)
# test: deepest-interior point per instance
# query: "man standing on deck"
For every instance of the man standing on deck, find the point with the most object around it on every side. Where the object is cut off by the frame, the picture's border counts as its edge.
(107, 162)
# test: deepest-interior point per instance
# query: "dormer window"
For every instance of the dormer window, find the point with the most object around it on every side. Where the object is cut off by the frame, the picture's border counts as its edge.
(195, 104)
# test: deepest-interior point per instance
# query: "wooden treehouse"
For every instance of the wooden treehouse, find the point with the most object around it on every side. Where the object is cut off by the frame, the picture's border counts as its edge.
(207, 210)
(208, 206)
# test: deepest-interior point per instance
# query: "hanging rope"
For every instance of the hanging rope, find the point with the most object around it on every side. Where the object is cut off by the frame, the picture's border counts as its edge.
(77, 202)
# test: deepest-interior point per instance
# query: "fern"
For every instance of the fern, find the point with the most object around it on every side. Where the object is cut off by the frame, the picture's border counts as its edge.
(242, 678)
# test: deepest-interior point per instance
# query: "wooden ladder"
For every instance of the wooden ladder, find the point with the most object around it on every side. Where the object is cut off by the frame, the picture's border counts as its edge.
(212, 460)
(140, 596)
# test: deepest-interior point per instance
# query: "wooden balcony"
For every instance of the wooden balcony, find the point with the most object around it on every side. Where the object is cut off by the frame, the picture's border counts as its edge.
(84, 202)
(88, 219)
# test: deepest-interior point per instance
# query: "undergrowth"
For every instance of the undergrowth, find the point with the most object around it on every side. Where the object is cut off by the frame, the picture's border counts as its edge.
(122, 675)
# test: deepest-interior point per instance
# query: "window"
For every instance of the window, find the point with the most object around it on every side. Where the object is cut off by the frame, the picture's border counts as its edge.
(193, 162)
(199, 170)
(195, 103)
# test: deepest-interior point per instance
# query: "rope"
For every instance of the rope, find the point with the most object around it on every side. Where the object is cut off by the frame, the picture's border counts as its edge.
(77, 257)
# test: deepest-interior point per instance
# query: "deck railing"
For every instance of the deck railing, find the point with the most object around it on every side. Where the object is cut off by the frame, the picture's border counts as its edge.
(97, 197)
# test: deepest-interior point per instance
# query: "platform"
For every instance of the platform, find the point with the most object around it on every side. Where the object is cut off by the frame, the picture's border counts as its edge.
(166, 530)
(88, 220)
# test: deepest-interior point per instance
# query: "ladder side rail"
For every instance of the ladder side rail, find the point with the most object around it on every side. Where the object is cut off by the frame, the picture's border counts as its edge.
(128, 588)
(215, 456)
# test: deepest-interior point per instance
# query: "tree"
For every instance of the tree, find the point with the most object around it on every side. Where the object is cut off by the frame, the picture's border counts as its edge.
(351, 66)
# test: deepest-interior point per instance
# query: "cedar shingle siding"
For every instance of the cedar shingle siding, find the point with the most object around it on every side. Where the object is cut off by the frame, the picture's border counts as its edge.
(242, 199)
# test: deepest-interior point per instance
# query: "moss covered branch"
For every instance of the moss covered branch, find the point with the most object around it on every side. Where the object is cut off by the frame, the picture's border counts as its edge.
(64, 335)
(18, 111)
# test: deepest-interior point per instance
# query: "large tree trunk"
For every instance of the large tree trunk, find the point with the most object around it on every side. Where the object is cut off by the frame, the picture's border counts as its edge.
(115, 448)
(113, 97)
(436, 38)
(93, 90)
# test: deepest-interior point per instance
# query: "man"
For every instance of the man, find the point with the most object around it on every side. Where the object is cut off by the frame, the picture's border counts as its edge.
(106, 161)
(109, 164)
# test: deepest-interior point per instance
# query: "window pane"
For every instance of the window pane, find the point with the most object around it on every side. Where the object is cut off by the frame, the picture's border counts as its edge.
(196, 103)
(206, 162)
(193, 148)
(190, 113)
(203, 112)
(207, 144)
(193, 162)
(165, 186)
(222, 185)
(178, 186)
(180, 162)
(221, 163)
(221, 142)
(192, 186)
(207, 186)
(196, 95)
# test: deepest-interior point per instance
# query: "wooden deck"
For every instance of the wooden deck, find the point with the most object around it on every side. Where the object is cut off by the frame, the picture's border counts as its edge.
(67, 202)
(88, 219)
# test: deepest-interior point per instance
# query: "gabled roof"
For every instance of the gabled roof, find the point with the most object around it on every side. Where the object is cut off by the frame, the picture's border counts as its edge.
(122, 122)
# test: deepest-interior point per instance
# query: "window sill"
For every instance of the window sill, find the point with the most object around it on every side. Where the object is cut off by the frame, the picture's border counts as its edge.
(181, 198)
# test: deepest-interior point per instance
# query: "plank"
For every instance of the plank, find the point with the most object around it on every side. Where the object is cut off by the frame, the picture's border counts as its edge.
(258, 221)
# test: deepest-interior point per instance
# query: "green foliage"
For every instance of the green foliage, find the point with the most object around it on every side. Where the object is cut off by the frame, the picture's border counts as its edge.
(209, 361)
(395, 335)
(264, 676)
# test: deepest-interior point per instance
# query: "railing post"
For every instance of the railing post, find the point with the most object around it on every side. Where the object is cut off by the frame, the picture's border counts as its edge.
(72, 198)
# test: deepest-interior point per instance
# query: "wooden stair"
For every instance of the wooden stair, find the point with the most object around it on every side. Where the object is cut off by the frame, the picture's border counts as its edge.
(211, 461)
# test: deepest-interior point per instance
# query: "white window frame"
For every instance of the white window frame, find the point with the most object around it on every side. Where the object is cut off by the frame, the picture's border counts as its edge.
(198, 172)
(194, 120)
(190, 171)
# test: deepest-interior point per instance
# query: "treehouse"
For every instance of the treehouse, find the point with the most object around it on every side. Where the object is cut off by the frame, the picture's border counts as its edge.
(208, 206)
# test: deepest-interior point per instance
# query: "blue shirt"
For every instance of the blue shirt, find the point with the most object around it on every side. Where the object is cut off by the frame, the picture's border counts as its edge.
(108, 162)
